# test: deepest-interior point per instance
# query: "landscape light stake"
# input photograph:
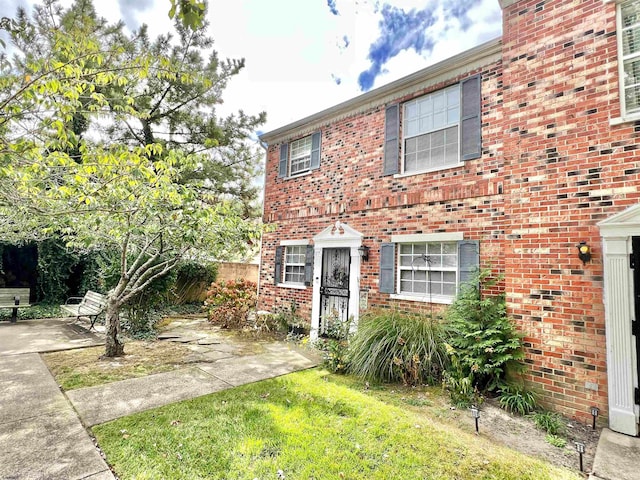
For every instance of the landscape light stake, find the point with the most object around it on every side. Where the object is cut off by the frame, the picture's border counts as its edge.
(475, 414)
(580, 449)
(594, 413)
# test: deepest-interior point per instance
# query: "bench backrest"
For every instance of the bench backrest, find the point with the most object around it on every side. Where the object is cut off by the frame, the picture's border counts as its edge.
(7, 295)
(94, 300)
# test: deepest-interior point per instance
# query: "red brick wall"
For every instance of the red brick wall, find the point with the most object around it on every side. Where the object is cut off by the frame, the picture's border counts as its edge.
(566, 169)
(552, 167)
(350, 187)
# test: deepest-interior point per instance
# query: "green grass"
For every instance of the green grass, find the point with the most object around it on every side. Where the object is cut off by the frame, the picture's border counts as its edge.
(309, 425)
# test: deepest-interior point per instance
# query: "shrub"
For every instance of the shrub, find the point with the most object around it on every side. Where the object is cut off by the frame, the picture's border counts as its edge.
(335, 345)
(517, 399)
(459, 383)
(229, 303)
(390, 346)
(550, 422)
(484, 338)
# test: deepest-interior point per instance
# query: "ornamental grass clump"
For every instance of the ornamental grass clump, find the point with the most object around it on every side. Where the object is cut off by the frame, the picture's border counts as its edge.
(229, 303)
(391, 346)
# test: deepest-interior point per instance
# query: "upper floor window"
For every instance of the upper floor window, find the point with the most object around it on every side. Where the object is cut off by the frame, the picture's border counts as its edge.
(431, 131)
(299, 156)
(629, 55)
(439, 130)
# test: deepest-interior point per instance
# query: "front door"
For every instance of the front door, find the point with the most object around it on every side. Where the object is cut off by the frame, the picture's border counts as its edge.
(334, 287)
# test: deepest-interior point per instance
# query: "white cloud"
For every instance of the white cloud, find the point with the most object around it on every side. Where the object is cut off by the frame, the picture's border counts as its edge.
(294, 49)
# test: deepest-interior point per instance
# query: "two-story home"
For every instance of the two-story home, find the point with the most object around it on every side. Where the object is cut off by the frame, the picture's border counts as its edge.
(520, 154)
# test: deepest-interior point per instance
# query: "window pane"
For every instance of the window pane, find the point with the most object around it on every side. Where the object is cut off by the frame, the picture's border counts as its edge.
(419, 248)
(449, 289)
(630, 41)
(630, 14)
(450, 247)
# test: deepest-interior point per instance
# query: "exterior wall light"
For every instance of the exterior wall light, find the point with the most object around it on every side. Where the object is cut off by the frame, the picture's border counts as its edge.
(364, 252)
(584, 252)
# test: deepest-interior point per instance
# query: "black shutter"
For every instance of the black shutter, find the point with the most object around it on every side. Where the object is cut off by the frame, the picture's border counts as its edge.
(308, 266)
(284, 160)
(470, 131)
(468, 260)
(315, 151)
(387, 267)
(391, 137)
(277, 274)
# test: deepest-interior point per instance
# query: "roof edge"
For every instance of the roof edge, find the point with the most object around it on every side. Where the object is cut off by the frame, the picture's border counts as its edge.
(486, 49)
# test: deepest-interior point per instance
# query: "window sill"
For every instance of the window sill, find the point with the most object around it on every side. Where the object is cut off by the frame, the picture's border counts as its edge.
(423, 299)
(430, 170)
(622, 120)
(303, 174)
(295, 286)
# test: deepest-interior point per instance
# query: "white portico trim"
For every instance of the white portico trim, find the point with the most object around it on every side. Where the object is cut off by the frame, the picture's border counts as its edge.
(338, 235)
(617, 232)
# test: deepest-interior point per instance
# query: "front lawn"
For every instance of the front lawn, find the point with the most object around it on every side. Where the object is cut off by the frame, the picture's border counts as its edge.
(308, 425)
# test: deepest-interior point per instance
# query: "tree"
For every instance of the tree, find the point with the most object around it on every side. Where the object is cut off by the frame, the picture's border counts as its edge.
(59, 177)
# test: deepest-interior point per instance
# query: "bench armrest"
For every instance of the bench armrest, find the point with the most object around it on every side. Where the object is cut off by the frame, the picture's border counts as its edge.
(75, 300)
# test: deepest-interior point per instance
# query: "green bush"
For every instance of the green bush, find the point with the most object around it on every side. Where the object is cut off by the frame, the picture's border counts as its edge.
(484, 338)
(390, 346)
(550, 422)
(229, 303)
(517, 399)
(459, 383)
(335, 345)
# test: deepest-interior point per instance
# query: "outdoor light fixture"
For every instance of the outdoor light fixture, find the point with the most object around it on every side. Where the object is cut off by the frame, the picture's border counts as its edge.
(584, 252)
(364, 252)
(594, 413)
(580, 449)
(475, 414)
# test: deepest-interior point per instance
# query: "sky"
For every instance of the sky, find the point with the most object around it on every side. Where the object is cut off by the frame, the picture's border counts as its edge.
(303, 56)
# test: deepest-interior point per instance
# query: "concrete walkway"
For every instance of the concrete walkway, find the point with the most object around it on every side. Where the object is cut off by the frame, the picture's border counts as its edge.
(617, 457)
(42, 432)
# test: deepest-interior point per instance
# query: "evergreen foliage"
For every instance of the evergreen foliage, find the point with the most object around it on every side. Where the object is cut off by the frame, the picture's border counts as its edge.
(483, 338)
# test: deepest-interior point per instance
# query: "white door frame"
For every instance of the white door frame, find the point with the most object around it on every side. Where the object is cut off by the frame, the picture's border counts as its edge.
(622, 375)
(338, 235)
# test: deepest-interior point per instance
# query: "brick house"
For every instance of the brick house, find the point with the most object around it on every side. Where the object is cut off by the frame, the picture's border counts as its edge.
(509, 155)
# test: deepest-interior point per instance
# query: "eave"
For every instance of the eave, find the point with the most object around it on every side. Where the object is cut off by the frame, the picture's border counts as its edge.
(468, 60)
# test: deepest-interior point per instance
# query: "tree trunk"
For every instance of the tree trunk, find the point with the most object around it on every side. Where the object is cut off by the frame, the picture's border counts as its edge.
(114, 347)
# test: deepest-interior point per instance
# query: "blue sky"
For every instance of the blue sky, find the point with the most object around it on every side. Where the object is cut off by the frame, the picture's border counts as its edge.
(306, 55)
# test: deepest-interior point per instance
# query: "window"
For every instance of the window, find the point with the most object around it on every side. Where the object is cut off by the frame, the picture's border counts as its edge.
(294, 260)
(439, 130)
(431, 131)
(629, 56)
(293, 266)
(428, 269)
(300, 156)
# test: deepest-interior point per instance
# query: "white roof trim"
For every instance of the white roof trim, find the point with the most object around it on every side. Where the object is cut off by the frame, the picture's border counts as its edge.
(293, 243)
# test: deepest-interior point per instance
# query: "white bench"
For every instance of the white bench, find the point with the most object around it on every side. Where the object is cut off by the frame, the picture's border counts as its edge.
(91, 305)
(14, 298)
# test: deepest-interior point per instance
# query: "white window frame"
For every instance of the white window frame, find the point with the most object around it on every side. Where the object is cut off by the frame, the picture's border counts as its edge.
(300, 154)
(447, 125)
(625, 116)
(422, 266)
(286, 264)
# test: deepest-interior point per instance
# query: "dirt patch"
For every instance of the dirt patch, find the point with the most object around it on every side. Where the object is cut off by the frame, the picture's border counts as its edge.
(520, 433)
